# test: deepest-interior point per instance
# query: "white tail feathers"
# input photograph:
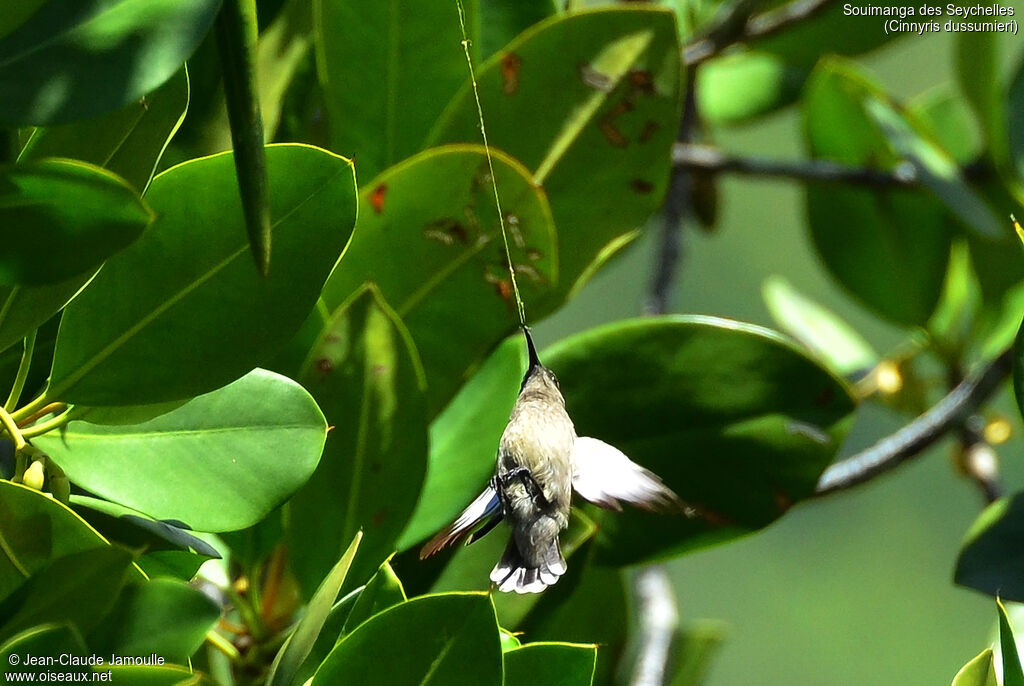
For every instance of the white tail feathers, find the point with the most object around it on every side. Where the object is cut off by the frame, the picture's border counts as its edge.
(510, 574)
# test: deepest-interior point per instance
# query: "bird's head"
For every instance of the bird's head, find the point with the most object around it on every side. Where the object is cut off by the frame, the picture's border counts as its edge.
(538, 380)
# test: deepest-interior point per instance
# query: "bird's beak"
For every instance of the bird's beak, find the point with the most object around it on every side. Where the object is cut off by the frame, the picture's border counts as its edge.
(534, 359)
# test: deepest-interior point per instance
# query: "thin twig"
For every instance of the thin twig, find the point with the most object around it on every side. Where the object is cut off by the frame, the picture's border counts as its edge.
(909, 441)
(711, 160)
(674, 213)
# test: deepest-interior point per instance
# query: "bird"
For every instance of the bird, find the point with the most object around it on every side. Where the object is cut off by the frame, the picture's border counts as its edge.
(540, 462)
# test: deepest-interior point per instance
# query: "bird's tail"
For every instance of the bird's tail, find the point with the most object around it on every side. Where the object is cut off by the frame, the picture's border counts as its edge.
(512, 574)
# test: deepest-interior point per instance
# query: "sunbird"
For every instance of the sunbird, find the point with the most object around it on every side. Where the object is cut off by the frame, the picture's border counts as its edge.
(540, 462)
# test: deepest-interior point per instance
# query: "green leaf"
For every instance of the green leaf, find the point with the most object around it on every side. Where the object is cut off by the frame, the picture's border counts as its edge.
(63, 218)
(428, 236)
(232, 455)
(695, 647)
(129, 141)
(77, 58)
(328, 637)
(165, 617)
(463, 441)
(34, 530)
(78, 589)
(25, 308)
(281, 50)
(993, 550)
(568, 612)
(42, 641)
(386, 70)
(737, 87)
(449, 639)
(889, 247)
(598, 91)
(978, 672)
(302, 640)
(550, 664)
(834, 30)
(150, 675)
(365, 374)
(935, 169)
(382, 591)
(186, 293)
(981, 80)
(734, 418)
(1013, 675)
(946, 118)
(134, 530)
(830, 338)
(1015, 120)
(499, 22)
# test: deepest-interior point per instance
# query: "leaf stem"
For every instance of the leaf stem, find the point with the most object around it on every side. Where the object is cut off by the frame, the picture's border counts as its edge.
(49, 425)
(921, 433)
(714, 161)
(11, 427)
(26, 411)
(223, 645)
(22, 374)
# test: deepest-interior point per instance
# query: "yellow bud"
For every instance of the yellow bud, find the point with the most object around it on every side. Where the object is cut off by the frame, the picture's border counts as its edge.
(997, 431)
(888, 377)
(34, 476)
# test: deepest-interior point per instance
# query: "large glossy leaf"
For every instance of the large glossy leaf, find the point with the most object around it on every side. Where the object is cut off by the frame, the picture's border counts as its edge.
(386, 69)
(128, 141)
(447, 639)
(62, 218)
(598, 93)
(76, 58)
(889, 247)
(154, 675)
(187, 293)
(44, 640)
(35, 529)
(830, 338)
(134, 530)
(165, 617)
(429, 236)
(934, 168)
(568, 612)
(1013, 673)
(464, 440)
(382, 591)
(365, 373)
(25, 308)
(980, 671)
(232, 455)
(500, 21)
(550, 664)
(734, 418)
(993, 550)
(78, 589)
(304, 637)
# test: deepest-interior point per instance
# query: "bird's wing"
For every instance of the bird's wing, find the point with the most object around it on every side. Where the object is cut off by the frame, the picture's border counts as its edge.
(603, 475)
(487, 506)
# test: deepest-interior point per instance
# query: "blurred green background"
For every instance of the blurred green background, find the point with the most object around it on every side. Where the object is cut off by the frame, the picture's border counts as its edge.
(855, 588)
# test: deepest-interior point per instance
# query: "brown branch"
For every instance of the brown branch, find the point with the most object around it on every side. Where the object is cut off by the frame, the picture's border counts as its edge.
(714, 161)
(949, 413)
